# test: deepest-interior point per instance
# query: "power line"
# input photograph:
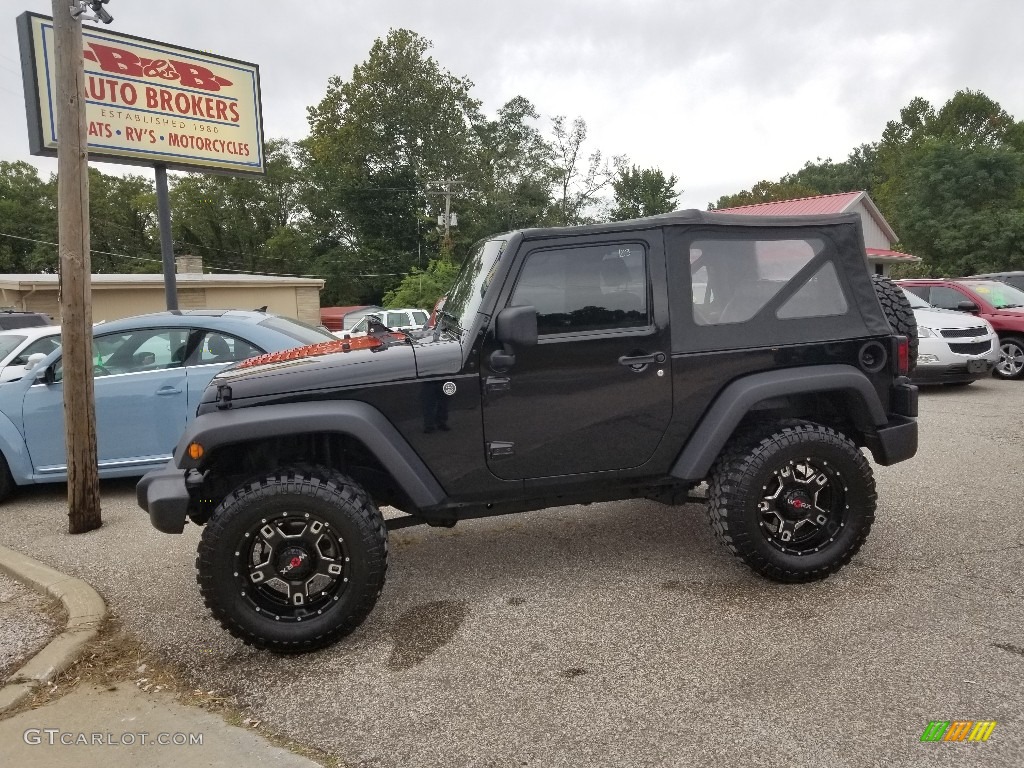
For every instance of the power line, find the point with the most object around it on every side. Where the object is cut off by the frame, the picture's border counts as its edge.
(220, 269)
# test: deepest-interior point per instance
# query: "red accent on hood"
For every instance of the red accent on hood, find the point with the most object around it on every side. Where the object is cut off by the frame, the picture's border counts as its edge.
(313, 350)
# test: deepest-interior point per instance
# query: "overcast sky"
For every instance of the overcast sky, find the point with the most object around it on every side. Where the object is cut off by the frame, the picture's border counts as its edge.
(721, 94)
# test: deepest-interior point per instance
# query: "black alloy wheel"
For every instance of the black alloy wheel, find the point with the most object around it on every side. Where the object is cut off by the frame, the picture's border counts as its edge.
(793, 502)
(294, 560)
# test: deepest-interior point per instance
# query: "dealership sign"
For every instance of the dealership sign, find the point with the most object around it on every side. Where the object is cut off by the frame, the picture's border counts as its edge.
(148, 103)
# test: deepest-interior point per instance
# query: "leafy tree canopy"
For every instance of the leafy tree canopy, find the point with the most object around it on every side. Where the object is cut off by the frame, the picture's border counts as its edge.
(642, 192)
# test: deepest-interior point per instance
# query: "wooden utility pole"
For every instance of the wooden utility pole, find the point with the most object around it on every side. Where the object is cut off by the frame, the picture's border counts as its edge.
(75, 277)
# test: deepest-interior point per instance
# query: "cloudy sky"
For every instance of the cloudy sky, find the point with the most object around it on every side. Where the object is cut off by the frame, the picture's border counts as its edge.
(722, 93)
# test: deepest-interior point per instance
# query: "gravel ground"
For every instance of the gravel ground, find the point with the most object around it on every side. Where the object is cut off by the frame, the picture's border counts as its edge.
(27, 623)
(621, 634)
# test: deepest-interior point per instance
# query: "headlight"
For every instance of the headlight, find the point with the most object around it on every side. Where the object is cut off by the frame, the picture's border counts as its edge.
(926, 333)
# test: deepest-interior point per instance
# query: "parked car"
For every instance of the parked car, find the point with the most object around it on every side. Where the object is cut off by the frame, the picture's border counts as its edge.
(1016, 279)
(953, 347)
(408, 320)
(17, 346)
(12, 318)
(150, 372)
(1000, 304)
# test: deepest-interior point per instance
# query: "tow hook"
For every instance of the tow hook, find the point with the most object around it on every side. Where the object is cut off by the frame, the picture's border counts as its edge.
(223, 397)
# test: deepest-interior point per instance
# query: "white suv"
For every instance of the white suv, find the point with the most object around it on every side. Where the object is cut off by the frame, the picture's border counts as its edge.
(409, 320)
(953, 347)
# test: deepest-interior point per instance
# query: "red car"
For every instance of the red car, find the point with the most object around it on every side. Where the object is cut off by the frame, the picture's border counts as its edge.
(999, 303)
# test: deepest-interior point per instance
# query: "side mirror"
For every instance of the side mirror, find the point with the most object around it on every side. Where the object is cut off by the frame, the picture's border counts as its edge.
(516, 326)
(34, 360)
(513, 326)
(46, 375)
(966, 306)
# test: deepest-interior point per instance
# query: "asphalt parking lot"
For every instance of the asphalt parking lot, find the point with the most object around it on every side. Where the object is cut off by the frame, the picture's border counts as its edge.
(621, 634)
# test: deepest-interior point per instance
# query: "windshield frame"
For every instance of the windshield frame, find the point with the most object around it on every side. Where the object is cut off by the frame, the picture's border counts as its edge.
(464, 298)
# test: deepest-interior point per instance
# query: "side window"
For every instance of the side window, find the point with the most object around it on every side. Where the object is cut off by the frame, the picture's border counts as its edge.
(820, 296)
(40, 346)
(396, 320)
(733, 279)
(945, 298)
(223, 348)
(419, 318)
(138, 351)
(585, 288)
(921, 291)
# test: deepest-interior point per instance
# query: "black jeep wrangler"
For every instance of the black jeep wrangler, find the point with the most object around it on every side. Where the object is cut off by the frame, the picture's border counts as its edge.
(569, 365)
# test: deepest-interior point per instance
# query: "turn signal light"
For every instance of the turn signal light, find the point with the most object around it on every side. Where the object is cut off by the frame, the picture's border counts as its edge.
(195, 451)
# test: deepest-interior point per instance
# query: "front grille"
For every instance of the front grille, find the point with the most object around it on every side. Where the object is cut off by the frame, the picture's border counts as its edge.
(971, 349)
(964, 333)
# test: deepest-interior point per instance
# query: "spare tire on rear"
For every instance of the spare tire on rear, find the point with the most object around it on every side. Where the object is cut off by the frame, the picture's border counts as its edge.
(898, 312)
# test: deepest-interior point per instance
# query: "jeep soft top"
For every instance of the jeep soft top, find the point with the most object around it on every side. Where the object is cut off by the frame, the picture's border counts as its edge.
(567, 365)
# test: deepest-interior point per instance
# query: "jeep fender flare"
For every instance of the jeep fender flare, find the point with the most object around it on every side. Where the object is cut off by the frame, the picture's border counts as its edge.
(739, 397)
(347, 417)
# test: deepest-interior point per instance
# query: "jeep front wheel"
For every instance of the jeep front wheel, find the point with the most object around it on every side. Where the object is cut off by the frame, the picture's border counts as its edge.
(794, 506)
(293, 561)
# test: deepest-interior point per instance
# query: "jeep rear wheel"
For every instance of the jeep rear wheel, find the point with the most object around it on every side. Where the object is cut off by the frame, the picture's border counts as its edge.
(898, 312)
(794, 506)
(293, 561)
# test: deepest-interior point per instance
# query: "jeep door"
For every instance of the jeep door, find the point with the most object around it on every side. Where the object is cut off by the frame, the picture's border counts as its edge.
(595, 393)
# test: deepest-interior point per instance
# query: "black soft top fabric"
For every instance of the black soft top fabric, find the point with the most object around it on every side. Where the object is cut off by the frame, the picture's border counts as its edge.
(843, 232)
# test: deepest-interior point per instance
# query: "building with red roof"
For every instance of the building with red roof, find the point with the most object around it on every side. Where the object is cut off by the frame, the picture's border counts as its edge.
(879, 237)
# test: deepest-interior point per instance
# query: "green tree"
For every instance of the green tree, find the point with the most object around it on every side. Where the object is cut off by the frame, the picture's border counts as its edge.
(239, 223)
(858, 172)
(642, 192)
(28, 213)
(509, 183)
(376, 140)
(122, 220)
(580, 178)
(423, 287)
(764, 192)
(961, 208)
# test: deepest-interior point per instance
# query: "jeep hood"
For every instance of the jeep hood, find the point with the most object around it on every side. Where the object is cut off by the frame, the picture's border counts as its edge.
(334, 365)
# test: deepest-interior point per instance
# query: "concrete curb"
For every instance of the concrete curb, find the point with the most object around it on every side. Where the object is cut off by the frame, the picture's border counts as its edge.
(86, 610)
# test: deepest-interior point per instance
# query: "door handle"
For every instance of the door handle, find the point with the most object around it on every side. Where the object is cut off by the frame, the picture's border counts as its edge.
(642, 359)
(168, 391)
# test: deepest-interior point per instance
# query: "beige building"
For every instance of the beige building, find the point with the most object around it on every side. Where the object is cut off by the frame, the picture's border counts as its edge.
(117, 296)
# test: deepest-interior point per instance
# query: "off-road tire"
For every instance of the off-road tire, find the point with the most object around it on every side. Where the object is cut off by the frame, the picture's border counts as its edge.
(898, 312)
(745, 473)
(1010, 348)
(293, 495)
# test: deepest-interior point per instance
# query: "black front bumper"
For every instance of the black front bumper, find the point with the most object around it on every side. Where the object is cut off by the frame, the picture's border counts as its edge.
(163, 494)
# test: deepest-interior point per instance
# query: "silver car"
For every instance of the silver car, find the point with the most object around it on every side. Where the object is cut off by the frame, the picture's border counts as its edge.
(954, 347)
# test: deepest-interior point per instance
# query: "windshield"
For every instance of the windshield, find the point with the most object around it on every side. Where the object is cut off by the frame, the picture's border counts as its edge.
(916, 302)
(299, 331)
(472, 283)
(8, 343)
(999, 295)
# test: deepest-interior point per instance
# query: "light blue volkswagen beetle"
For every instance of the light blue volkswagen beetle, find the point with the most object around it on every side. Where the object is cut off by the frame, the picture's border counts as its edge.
(149, 373)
